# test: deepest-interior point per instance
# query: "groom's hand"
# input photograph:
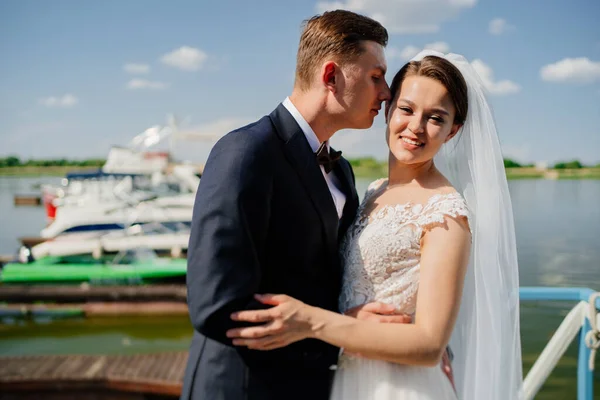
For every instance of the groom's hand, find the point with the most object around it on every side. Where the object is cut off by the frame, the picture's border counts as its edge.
(379, 312)
(447, 367)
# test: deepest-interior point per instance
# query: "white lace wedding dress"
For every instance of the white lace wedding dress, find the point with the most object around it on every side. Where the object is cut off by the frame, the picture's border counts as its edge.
(381, 255)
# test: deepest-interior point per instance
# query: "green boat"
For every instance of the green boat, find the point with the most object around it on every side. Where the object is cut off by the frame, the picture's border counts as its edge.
(130, 267)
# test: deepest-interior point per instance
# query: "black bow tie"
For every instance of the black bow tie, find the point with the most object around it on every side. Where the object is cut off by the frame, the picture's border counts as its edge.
(327, 159)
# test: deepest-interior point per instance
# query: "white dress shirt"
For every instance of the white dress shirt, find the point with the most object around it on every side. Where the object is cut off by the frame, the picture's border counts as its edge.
(339, 199)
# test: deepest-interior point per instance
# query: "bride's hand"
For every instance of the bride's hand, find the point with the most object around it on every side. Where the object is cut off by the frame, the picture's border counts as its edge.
(287, 322)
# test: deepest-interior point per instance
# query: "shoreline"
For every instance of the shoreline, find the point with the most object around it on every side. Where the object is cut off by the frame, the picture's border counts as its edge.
(32, 171)
(370, 171)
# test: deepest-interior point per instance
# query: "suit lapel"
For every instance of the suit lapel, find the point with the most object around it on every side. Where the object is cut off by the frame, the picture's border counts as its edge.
(344, 175)
(299, 154)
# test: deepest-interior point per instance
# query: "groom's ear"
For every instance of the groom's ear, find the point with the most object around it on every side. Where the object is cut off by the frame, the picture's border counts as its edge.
(328, 75)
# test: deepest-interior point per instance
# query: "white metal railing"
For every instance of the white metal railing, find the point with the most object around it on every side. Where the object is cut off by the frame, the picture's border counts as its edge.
(583, 319)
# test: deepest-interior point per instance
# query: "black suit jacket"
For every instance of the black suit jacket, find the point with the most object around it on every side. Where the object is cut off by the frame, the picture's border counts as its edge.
(264, 222)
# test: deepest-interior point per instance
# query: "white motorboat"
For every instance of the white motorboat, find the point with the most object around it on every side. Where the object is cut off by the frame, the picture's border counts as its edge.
(96, 215)
(135, 186)
(154, 236)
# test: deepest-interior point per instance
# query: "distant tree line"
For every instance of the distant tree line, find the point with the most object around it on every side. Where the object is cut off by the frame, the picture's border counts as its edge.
(508, 163)
(364, 163)
(568, 165)
(14, 161)
(575, 164)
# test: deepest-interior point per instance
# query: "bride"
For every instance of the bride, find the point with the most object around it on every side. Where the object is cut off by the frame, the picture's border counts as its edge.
(436, 240)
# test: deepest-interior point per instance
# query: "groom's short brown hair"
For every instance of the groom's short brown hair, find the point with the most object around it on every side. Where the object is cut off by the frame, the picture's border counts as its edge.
(338, 34)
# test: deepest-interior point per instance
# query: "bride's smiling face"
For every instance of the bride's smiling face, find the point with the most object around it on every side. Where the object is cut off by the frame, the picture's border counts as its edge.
(420, 120)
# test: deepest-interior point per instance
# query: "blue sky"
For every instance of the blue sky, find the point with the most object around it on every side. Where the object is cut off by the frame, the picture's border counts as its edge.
(79, 76)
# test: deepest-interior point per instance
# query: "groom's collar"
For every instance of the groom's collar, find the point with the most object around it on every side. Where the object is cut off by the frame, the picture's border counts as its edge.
(311, 136)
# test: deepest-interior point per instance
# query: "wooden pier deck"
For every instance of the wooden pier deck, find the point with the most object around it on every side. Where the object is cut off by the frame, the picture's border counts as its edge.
(140, 376)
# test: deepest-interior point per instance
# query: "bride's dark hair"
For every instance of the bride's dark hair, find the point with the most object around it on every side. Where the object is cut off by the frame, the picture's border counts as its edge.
(442, 71)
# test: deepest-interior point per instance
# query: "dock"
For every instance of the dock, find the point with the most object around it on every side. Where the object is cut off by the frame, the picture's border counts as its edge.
(102, 309)
(88, 293)
(27, 200)
(86, 301)
(6, 259)
(123, 377)
(156, 376)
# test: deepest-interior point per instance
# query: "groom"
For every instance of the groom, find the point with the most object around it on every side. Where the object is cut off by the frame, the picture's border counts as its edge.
(272, 205)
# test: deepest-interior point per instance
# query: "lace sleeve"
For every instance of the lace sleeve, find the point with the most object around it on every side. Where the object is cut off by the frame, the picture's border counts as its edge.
(439, 207)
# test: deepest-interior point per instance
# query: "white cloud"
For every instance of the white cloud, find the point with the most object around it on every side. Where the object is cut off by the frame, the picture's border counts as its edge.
(487, 77)
(216, 129)
(185, 58)
(572, 70)
(403, 16)
(442, 47)
(146, 84)
(194, 143)
(410, 51)
(392, 52)
(485, 72)
(133, 68)
(66, 101)
(498, 26)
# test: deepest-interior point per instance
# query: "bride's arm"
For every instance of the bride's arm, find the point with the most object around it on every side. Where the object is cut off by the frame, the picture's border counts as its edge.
(444, 258)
